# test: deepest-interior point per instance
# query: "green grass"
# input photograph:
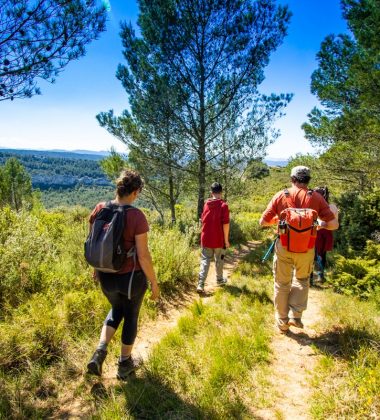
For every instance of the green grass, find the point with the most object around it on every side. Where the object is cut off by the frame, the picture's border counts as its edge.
(213, 365)
(347, 379)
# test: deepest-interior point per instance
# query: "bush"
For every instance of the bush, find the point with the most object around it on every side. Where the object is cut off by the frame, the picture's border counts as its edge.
(35, 333)
(359, 220)
(175, 262)
(84, 311)
(245, 227)
(24, 249)
(358, 276)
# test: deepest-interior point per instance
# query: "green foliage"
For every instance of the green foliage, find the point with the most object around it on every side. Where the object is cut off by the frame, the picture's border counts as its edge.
(245, 227)
(212, 365)
(174, 260)
(203, 112)
(83, 310)
(358, 276)
(346, 83)
(25, 247)
(256, 169)
(40, 38)
(359, 220)
(15, 184)
(83, 196)
(347, 382)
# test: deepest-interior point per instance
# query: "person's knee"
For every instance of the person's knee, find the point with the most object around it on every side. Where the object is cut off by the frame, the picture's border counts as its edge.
(114, 318)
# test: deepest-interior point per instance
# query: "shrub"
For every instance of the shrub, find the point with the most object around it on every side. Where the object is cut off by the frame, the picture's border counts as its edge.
(358, 276)
(175, 262)
(22, 253)
(359, 219)
(84, 311)
(245, 227)
(35, 333)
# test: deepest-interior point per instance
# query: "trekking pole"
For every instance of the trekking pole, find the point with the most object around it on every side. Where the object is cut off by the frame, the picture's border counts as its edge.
(269, 250)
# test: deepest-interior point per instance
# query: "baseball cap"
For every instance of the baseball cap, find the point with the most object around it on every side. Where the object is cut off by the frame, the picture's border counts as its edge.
(300, 172)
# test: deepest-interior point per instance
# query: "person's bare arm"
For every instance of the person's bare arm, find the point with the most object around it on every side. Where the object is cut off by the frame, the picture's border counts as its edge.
(272, 222)
(145, 260)
(226, 232)
(331, 225)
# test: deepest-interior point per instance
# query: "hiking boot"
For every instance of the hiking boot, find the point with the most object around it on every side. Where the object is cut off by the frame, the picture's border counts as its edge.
(221, 282)
(282, 325)
(296, 322)
(94, 366)
(126, 367)
(200, 289)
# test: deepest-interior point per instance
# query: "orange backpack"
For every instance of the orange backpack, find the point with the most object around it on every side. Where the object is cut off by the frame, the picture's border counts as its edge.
(297, 227)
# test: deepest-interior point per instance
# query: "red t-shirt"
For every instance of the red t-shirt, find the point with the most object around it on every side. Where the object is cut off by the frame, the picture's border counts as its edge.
(135, 223)
(215, 214)
(300, 198)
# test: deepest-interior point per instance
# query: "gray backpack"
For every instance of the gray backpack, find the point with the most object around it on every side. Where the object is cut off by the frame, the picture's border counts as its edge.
(104, 248)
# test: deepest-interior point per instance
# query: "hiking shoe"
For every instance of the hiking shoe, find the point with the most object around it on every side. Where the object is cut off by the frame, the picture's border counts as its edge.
(296, 322)
(126, 367)
(221, 282)
(94, 366)
(200, 289)
(282, 325)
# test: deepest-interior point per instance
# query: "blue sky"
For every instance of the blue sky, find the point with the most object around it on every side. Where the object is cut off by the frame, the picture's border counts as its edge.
(63, 117)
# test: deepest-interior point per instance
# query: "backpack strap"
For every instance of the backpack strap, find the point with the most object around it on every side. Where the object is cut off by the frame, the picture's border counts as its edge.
(288, 199)
(291, 203)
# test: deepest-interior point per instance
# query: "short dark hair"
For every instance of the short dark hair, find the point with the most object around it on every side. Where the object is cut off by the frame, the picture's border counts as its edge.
(128, 182)
(301, 179)
(216, 188)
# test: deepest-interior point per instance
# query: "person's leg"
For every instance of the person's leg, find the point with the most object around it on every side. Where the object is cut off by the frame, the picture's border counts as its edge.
(219, 260)
(298, 295)
(323, 262)
(131, 310)
(282, 272)
(112, 321)
(206, 256)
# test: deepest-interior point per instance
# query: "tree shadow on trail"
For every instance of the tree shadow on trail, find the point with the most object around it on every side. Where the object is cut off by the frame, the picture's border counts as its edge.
(261, 296)
(341, 343)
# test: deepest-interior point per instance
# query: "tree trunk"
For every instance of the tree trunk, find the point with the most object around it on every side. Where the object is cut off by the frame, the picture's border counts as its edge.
(172, 198)
(202, 140)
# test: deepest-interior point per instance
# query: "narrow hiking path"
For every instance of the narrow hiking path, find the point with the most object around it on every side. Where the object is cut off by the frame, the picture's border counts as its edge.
(74, 405)
(293, 361)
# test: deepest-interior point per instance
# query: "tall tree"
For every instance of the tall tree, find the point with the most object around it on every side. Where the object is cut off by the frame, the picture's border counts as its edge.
(38, 38)
(151, 134)
(15, 184)
(347, 82)
(212, 52)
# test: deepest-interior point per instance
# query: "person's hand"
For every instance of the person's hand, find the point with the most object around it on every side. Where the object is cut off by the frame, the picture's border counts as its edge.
(155, 296)
(227, 244)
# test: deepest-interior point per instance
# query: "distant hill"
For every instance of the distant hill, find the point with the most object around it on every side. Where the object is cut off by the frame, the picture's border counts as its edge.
(54, 169)
(72, 154)
(59, 169)
(276, 162)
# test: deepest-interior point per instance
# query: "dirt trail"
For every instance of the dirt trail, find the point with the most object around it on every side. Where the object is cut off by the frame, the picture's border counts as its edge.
(293, 356)
(150, 333)
(293, 361)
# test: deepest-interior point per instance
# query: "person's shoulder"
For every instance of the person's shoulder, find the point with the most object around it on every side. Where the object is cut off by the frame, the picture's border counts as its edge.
(136, 212)
(224, 204)
(281, 193)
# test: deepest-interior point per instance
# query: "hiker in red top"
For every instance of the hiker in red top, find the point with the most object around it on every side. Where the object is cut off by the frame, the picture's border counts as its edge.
(215, 236)
(294, 252)
(325, 240)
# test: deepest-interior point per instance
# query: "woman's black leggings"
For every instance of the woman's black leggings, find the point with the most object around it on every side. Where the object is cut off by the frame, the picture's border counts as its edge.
(115, 288)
